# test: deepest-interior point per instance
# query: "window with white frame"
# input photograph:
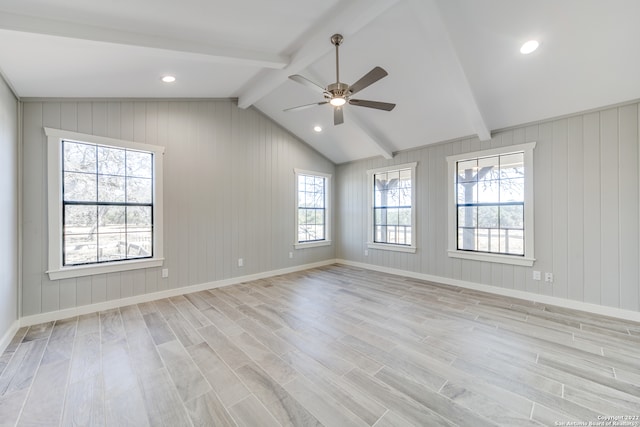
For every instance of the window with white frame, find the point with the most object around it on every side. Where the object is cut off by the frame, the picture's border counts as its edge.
(491, 205)
(312, 208)
(105, 204)
(392, 208)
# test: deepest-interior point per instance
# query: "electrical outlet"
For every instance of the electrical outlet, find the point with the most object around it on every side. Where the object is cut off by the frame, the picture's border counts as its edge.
(240, 262)
(548, 277)
(290, 255)
(165, 273)
(366, 252)
(536, 275)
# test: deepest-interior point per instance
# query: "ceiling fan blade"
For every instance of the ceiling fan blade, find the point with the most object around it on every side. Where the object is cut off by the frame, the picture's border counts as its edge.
(338, 116)
(368, 79)
(306, 82)
(372, 104)
(302, 107)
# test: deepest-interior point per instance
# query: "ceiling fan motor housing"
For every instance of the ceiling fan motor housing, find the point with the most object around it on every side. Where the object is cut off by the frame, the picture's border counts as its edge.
(337, 90)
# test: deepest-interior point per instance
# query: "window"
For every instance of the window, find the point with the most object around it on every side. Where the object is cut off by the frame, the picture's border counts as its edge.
(312, 209)
(491, 205)
(105, 204)
(391, 208)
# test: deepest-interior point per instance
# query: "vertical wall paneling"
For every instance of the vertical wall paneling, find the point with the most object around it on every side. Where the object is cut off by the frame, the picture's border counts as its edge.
(628, 195)
(32, 233)
(228, 193)
(609, 209)
(575, 209)
(560, 218)
(113, 286)
(587, 210)
(592, 224)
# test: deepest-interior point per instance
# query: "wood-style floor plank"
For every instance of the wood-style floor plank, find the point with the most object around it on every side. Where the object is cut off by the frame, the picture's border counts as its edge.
(332, 346)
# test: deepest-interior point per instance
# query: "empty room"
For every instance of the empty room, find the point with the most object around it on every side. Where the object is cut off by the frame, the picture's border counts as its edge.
(320, 213)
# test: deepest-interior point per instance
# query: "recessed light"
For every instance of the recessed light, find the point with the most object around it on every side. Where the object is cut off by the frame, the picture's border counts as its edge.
(317, 128)
(529, 47)
(168, 79)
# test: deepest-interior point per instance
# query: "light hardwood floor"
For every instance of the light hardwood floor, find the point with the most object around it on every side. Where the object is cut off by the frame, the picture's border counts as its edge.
(334, 346)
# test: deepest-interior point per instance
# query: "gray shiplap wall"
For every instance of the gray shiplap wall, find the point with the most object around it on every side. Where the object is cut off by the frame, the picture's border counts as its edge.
(8, 208)
(587, 218)
(228, 194)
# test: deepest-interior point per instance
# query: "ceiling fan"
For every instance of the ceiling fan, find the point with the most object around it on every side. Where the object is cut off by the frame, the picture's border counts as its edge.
(338, 94)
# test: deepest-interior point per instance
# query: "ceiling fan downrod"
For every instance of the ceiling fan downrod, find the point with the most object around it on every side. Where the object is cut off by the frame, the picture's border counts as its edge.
(336, 40)
(337, 92)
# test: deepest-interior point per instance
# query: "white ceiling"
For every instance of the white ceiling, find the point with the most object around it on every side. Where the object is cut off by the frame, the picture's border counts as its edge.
(454, 65)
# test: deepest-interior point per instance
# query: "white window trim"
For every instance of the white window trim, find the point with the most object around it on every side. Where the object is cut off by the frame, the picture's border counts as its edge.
(528, 259)
(327, 210)
(54, 162)
(391, 246)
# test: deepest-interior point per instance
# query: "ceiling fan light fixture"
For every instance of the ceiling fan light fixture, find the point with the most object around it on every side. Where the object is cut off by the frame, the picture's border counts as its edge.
(338, 101)
(529, 47)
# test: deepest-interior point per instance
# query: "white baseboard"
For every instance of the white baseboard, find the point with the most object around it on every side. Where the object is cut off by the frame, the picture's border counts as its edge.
(92, 308)
(8, 336)
(107, 305)
(544, 299)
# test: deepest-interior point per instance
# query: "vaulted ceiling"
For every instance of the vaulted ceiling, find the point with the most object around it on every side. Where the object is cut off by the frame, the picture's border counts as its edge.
(454, 66)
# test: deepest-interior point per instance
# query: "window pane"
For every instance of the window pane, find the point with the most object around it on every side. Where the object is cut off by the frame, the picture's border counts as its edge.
(112, 246)
(80, 249)
(139, 216)
(111, 188)
(467, 216)
(139, 190)
(392, 216)
(80, 219)
(488, 217)
(111, 218)
(111, 161)
(139, 244)
(512, 217)
(467, 171)
(405, 177)
(488, 167)
(483, 238)
(512, 190)
(468, 192)
(488, 191)
(79, 187)
(404, 216)
(512, 242)
(79, 157)
(467, 238)
(512, 166)
(139, 164)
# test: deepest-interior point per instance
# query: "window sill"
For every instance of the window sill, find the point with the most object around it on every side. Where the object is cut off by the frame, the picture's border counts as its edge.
(312, 244)
(112, 267)
(501, 259)
(393, 248)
